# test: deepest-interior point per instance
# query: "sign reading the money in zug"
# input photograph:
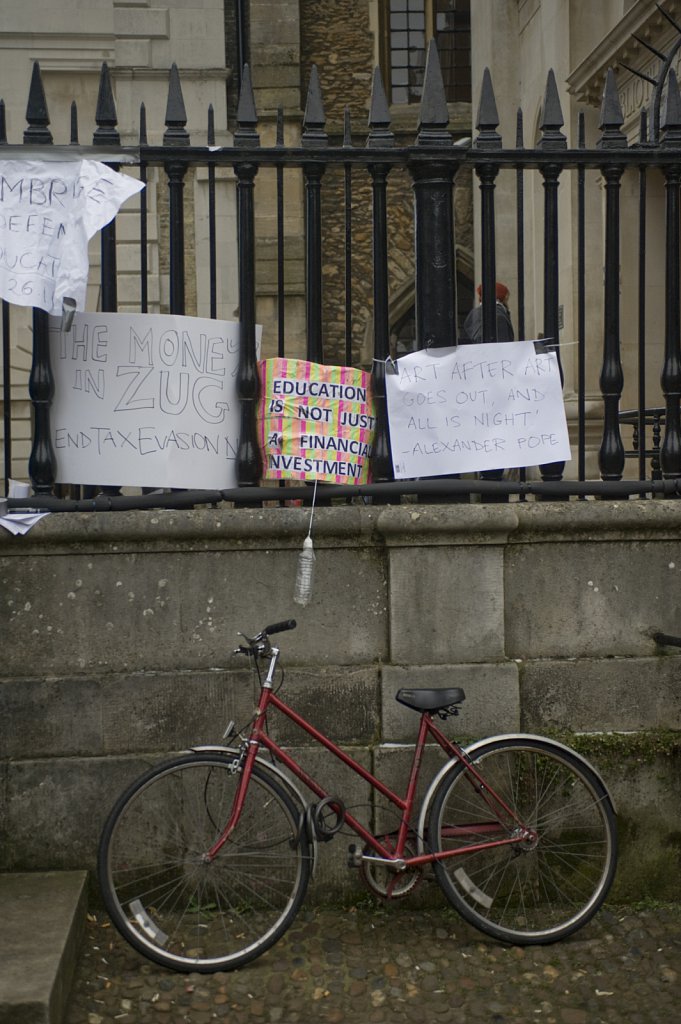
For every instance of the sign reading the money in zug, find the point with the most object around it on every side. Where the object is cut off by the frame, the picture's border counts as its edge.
(145, 400)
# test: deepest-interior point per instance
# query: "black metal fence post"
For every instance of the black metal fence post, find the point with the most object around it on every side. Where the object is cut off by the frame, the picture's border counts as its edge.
(314, 136)
(611, 455)
(249, 461)
(670, 453)
(6, 394)
(581, 307)
(106, 134)
(144, 233)
(6, 373)
(553, 140)
(380, 136)
(434, 215)
(42, 462)
(488, 139)
(176, 168)
(642, 251)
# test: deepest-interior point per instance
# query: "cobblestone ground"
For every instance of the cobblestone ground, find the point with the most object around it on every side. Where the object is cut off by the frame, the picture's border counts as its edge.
(398, 963)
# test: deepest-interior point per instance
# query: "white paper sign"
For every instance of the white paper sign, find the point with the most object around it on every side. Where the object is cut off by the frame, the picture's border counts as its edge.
(475, 407)
(145, 400)
(48, 212)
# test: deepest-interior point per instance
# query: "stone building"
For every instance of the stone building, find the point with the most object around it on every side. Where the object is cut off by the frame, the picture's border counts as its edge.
(210, 41)
(519, 40)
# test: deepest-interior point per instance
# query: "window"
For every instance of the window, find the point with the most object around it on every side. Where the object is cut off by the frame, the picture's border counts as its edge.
(409, 26)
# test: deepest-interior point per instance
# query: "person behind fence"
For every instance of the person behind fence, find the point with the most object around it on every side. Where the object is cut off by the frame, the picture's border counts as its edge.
(472, 328)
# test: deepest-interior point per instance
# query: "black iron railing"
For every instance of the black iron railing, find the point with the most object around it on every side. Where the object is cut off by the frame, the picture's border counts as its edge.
(432, 163)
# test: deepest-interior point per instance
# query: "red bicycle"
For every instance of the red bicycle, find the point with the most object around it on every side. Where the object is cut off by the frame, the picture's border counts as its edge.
(204, 861)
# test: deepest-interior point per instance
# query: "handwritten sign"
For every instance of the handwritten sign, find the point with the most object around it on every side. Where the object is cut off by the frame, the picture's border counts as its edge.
(315, 422)
(476, 407)
(48, 213)
(145, 400)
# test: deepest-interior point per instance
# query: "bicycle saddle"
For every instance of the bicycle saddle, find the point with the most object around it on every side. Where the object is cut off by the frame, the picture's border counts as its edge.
(430, 700)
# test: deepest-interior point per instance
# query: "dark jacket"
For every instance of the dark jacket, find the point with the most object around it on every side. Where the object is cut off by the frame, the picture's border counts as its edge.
(472, 328)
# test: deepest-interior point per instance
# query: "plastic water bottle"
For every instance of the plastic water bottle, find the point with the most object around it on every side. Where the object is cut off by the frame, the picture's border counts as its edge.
(305, 574)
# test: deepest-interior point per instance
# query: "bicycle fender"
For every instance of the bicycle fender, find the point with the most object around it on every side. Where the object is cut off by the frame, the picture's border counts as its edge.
(282, 780)
(473, 748)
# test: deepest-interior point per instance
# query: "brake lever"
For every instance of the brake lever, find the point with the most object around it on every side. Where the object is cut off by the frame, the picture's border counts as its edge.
(248, 651)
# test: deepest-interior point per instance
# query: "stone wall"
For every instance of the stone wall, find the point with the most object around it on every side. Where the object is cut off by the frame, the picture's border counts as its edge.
(117, 631)
(337, 37)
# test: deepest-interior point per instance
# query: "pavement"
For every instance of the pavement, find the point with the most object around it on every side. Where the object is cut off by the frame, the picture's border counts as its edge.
(376, 963)
(368, 963)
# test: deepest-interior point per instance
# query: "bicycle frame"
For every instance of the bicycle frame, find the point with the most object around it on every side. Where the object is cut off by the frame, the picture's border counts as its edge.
(259, 737)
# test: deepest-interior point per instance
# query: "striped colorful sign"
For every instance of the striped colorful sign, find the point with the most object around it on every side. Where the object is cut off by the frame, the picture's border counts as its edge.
(315, 422)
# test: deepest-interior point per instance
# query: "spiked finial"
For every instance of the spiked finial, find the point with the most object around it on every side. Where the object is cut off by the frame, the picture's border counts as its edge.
(106, 133)
(210, 135)
(74, 123)
(379, 115)
(176, 117)
(347, 129)
(246, 116)
(314, 118)
(487, 120)
(433, 113)
(519, 129)
(143, 125)
(36, 111)
(552, 117)
(612, 118)
(671, 118)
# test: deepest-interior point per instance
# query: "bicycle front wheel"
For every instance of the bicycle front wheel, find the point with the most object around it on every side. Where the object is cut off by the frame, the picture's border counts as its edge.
(547, 886)
(173, 906)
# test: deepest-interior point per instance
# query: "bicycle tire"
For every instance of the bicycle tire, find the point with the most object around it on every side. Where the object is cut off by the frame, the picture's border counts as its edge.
(172, 906)
(539, 891)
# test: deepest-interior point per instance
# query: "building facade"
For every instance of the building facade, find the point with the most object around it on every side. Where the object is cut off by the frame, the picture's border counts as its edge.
(210, 42)
(344, 40)
(519, 41)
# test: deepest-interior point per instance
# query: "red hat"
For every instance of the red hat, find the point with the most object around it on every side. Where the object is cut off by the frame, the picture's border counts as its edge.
(501, 290)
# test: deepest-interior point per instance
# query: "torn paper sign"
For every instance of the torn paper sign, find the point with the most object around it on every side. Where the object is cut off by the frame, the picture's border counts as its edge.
(48, 212)
(20, 523)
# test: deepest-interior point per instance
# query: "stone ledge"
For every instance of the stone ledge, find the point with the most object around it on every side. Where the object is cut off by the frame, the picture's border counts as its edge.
(408, 525)
(42, 917)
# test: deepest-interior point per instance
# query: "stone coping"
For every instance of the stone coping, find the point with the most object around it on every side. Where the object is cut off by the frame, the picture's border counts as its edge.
(392, 526)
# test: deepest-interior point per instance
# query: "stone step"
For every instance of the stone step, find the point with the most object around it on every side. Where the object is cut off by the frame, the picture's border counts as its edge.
(42, 916)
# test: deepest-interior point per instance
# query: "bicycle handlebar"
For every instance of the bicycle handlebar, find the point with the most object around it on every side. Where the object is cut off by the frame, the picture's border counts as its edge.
(257, 646)
(665, 640)
(280, 627)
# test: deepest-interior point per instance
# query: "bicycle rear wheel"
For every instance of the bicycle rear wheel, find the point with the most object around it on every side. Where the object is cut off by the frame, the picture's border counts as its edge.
(546, 887)
(171, 905)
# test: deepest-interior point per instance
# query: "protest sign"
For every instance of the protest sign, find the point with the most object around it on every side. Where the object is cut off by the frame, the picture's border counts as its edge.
(315, 422)
(145, 400)
(48, 212)
(476, 407)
